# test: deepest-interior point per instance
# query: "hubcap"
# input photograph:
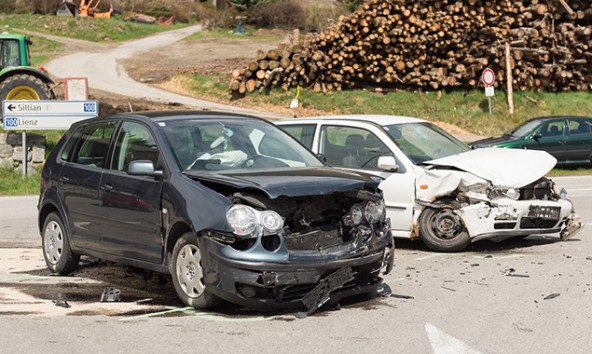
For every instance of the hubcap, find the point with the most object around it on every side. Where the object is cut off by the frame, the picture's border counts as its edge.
(54, 242)
(446, 224)
(22, 93)
(189, 271)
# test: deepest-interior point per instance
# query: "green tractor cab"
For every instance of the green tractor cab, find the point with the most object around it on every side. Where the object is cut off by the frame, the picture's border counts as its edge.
(18, 79)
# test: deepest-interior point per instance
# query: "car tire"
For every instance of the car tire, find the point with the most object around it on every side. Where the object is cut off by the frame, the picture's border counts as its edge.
(442, 230)
(56, 246)
(188, 274)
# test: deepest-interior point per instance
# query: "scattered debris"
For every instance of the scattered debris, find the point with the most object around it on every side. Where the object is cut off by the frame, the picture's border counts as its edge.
(488, 256)
(398, 296)
(474, 264)
(62, 303)
(551, 296)
(511, 272)
(443, 287)
(111, 295)
(589, 258)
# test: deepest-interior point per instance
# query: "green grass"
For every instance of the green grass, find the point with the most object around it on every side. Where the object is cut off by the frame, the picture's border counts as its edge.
(220, 33)
(466, 109)
(14, 183)
(114, 29)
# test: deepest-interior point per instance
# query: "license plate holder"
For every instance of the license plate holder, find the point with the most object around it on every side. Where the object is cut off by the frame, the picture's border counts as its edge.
(322, 292)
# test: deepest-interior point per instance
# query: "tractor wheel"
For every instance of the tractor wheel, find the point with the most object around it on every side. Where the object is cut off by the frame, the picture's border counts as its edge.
(24, 87)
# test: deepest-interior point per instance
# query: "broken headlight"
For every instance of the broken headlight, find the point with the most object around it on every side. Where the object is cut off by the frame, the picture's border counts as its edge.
(374, 211)
(245, 220)
(511, 193)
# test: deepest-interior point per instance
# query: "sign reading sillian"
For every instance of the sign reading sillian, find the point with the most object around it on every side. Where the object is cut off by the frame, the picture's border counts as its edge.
(46, 115)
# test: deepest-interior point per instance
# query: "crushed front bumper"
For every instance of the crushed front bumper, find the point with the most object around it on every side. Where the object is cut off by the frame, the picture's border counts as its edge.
(292, 284)
(508, 218)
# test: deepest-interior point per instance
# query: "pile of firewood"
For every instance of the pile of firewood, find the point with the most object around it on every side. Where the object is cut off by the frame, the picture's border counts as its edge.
(435, 44)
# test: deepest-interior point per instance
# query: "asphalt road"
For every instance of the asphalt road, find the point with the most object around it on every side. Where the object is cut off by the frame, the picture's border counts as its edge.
(530, 295)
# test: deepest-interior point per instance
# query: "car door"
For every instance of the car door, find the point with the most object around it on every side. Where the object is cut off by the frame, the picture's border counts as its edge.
(578, 148)
(356, 145)
(130, 205)
(82, 160)
(551, 138)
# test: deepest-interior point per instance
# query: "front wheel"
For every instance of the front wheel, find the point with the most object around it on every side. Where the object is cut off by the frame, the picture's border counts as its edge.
(56, 246)
(442, 230)
(188, 273)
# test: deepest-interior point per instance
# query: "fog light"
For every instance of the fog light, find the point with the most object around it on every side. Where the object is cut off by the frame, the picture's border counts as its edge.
(247, 291)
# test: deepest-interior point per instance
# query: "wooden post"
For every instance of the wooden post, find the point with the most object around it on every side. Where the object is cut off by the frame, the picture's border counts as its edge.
(509, 80)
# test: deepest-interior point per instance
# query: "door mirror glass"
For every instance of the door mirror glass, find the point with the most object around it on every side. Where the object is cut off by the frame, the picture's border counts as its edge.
(142, 168)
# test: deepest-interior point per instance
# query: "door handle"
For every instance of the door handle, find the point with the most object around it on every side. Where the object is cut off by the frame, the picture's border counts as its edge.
(107, 187)
(65, 178)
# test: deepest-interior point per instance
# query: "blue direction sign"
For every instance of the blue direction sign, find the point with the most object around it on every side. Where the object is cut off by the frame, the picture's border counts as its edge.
(46, 115)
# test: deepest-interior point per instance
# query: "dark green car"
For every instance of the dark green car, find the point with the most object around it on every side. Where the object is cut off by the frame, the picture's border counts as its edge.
(568, 139)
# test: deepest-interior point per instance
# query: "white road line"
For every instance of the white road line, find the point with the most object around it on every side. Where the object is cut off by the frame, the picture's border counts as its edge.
(443, 343)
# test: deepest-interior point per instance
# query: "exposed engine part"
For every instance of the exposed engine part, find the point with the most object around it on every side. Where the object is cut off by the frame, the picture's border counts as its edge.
(541, 189)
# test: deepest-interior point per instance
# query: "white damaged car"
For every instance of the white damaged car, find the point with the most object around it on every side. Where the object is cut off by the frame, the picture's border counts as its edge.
(436, 188)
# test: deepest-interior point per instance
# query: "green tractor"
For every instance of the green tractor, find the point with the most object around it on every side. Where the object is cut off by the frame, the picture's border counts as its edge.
(18, 79)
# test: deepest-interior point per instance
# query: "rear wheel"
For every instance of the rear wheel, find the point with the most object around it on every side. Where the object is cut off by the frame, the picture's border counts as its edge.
(56, 246)
(24, 87)
(442, 230)
(188, 273)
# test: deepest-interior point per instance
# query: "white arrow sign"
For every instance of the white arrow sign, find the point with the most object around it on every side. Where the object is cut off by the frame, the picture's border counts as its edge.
(22, 108)
(46, 115)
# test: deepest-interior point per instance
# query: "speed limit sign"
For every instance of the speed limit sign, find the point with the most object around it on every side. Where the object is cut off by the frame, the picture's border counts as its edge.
(488, 77)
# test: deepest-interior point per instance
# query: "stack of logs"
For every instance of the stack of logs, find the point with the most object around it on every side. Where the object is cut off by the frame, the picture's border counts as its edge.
(435, 44)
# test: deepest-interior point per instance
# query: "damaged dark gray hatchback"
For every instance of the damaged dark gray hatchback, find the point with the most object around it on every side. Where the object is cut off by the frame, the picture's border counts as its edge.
(230, 205)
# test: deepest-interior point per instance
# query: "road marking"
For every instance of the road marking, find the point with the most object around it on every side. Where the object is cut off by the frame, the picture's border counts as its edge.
(510, 256)
(40, 279)
(443, 343)
(433, 255)
(203, 315)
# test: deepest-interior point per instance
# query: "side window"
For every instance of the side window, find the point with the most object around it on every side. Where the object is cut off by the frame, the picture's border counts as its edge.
(552, 129)
(351, 147)
(577, 127)
(89, 144)
(303, 133)
(10, 53)
(134, 142)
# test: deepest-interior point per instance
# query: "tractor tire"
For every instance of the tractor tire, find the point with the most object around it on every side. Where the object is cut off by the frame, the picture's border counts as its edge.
(24, 87)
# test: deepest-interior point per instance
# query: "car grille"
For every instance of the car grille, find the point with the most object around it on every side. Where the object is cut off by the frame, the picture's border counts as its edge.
(313, 241)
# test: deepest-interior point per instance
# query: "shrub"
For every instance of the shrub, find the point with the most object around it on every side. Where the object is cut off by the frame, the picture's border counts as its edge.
(284, 14)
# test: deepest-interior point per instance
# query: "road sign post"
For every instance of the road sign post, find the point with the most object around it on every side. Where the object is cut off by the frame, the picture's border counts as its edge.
(488, 78)
(44, 115)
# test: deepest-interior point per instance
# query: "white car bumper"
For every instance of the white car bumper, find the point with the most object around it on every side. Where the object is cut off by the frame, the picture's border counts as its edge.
(520, 217)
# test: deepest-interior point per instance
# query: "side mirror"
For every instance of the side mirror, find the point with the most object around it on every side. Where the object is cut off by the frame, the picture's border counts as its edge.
(387, 163)
(537, 136)
(322, 157)
(143, 168)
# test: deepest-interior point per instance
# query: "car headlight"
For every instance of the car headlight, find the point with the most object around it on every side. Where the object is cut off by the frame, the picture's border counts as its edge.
(271, 221)
(245, 220)
(512, 193)
(374, 211)
(242, 219)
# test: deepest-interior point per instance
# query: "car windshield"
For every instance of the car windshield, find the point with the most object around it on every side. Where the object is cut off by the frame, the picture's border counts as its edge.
(424, 141)
(524, 129)
(213, 145)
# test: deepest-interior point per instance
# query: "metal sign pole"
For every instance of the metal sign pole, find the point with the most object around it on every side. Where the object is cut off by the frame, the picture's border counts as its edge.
(489, 99)
(24, 154)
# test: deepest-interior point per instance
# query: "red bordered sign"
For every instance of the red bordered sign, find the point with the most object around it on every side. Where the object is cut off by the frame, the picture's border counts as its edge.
(488, 77)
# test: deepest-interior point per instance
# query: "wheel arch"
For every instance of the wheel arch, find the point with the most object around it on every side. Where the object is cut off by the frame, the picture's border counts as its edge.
(175, 232)
(28, 71)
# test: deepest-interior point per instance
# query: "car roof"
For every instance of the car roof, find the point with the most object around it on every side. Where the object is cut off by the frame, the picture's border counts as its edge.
(380, 119)
(172, 115)
(547, 118)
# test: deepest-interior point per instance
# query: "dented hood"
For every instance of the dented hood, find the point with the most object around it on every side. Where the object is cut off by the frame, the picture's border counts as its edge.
(512, 168)
(291, 182)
